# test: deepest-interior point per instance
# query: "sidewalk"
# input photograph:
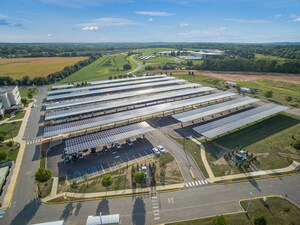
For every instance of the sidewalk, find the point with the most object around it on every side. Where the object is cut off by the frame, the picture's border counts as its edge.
(113, 193)
(18, 163)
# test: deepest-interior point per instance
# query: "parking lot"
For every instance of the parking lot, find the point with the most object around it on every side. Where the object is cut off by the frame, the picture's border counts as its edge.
(99, 163)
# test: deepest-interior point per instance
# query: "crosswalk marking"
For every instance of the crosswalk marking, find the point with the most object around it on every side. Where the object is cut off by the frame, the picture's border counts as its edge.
(33, 141)
(202, 182)
(156, 218)
(206, 182)
(193, 183)
(196, 183)
(186, 184)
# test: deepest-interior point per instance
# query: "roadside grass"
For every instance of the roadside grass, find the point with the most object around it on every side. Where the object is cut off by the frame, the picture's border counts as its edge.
(44, 189)
(194, 150)
(10, 130)
(28, 102)
(153, 50)
(98, 70)
(43, 158)
(272, 212)
(201, 79)
(25, 91)
(270, 140)
(12, 152)
(18, 115)
(280, 91)
(17, 68)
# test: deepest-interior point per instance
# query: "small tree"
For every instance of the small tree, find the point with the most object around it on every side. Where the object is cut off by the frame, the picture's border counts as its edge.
(10, 144)
(295, 144)
(238, 88)
(139, 177)
(285, 208)
(219, 220)
(2, 137)
(269, 94)
(127, 67)
(24, 101)
(42, 175)
(260, 220)
(106, 181)
(288, 98)
(29, 95)
(3, 155)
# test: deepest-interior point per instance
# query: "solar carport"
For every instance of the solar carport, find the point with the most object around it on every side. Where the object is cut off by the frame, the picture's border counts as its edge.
(233, 122)
(130, 114)
(112, 97)
(74, 145)
(111, 90)
(119, 104)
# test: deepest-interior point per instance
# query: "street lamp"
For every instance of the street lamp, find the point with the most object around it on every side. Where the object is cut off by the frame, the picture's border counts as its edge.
(249, 202)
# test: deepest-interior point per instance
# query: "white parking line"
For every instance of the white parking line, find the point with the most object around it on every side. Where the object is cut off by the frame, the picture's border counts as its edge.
(156, 210)
(156, 218)
(135, 158)
(102, 168)
(154, 197)
(156, 214)
(140, 155)
(155, 207)
(109, 167)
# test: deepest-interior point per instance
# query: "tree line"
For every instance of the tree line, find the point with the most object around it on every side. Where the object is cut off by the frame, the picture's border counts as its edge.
(51, 78)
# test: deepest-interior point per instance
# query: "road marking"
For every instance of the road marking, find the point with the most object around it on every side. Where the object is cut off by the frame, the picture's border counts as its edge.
(114, 153)
(156, 218)
(140, 155)
(196, 182)
(202, 182)
(190, 184)
(193, 183)
(186, 184)
(155, 207)
(154, 197)
(156, 214)
(154, 203)
(135, 158)
(170, 200)
(109, 167)
(199, 182)
(1, 217)
(156, 210)
(206, 182)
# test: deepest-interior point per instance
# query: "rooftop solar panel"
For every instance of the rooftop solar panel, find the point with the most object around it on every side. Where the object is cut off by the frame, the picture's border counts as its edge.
(96, 87)
(126, 79)
(233, 122)
(213, 109)
(119, 104)
(94, 140)
(62, 86)
(110, 90)
(129, 114)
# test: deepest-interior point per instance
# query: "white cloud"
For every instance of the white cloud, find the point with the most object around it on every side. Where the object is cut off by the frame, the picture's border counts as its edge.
(90, 28)
(106, 22)
(295, 18)
(152, 13)
(184, 25)
(277, 16)
(248, 21)
(50, 35)
(150, 20)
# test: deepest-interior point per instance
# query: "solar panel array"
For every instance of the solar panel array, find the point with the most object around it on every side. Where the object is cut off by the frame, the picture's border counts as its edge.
(117, 96)
(110, 90)
(126, 83)
(118, 104)
(233, 122)
(126, 79)
(94, 140)
(130, 114)
(62, 86)
(213, 109)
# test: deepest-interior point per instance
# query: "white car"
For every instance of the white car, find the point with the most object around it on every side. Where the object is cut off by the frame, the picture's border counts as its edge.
(155, 150)
(117, 145)
(161, 149)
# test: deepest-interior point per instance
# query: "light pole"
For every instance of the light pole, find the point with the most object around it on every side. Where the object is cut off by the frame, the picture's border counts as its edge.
(249, 202)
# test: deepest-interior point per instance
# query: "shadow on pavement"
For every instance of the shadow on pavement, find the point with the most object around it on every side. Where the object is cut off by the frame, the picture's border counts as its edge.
(27, 213)
(139, 212)
(36, 155)
(78, 207)
(255, 184)
(103, 207)
(66, 213)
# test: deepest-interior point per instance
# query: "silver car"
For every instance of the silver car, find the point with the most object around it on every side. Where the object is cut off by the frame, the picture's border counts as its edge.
(155, 150)
(161, 149)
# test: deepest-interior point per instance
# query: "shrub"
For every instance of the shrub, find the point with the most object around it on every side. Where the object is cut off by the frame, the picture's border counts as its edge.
(260, 220)
(3, 155)
(296, 144)
(285, 208)
(29, 95)
(269, 94)
(74, 185)
(219, 220)
(110, 77)
(2, 137)
(10, 144)
(246, 165)
(127, 67)
(43, 175)
(120, 76)
(288, 98)
(106, 181)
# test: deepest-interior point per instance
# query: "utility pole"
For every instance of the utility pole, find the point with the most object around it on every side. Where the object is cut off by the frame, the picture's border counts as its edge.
(101, 218)
(249, 202)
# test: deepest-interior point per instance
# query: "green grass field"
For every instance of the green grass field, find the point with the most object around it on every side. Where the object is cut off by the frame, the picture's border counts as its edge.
(25, 91)
(18, 115)
(273, 214)
(98, 70)
(12, 152)
(10, 130)
(271, 138)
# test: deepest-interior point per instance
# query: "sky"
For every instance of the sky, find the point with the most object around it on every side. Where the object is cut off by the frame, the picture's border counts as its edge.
(238, 21)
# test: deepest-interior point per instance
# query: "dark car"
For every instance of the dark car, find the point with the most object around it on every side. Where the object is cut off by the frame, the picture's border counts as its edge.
(66, 159)
(74, 157)
(128, 142)
(139, 139)
(85, 150)
(105, 148)
(117, 145)
(80, 156)
(93, 151)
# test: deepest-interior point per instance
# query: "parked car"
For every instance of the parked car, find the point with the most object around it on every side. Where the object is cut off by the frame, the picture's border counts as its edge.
(67, 159)
(85, 150)
(74, 157)
(155, 150)
(105, 148)
(117, 145)
(139, 139)
(93, 151)
(161, 149)
(80, 156)
(128, 142)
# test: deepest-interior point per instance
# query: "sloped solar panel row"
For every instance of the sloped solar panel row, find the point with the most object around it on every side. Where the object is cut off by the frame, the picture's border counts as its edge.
(213, 109)
(118, 104)
(110, 90)
(94, 140)
(126, 79)
(70, 90)
(222, 126)
(62, 86)
(118, 96)
(130, 114)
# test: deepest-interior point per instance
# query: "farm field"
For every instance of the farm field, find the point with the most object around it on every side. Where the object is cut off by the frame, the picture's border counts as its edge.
(270, 140)
(35, 67)
(100, 69)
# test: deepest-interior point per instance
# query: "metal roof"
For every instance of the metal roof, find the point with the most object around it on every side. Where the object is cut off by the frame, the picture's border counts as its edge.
(126, 79)
(119, 104)
(110, 90)
(129, 114)
(213, 109)
(126, 83)
(118, 96)
(94, 140)
(62, 86)
(233, 122)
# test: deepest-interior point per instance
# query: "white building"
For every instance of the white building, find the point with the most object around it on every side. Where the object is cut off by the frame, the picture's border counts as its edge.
(245, 89)
(230, 84)
(10, 99)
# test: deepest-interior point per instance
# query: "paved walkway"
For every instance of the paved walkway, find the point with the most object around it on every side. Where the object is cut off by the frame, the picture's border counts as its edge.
(22, 143)
(204, 160)
(6, 120)
(113, 193)
(54, 186)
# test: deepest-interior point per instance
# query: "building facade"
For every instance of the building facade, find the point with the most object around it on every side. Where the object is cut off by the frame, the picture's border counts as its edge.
(10, 99)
